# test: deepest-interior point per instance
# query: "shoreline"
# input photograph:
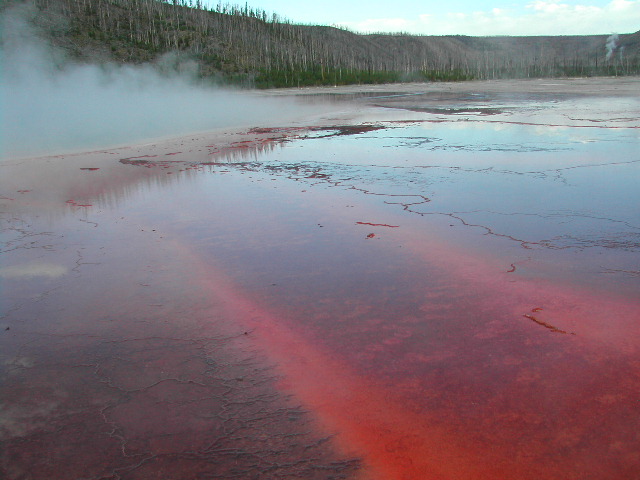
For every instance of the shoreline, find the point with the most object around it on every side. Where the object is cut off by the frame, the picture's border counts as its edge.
(347, 106)
(353, 104)
(597, 86)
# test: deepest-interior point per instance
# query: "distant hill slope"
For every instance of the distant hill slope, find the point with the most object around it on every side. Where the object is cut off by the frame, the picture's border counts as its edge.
(249, 46)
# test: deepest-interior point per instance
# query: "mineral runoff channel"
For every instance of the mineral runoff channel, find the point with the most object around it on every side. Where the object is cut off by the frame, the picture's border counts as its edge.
(429, 281)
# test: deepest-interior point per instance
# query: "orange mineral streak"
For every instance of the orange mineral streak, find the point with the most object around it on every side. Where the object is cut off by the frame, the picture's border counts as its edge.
(370, 420)
(395, 435)
(394, 443)
(597, 317)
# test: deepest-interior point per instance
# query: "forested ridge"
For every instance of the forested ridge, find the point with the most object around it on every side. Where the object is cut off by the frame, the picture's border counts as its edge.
(253, 47)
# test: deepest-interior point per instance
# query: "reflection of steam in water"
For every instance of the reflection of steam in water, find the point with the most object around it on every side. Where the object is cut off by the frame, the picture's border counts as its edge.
(418, 188)
(28, 270)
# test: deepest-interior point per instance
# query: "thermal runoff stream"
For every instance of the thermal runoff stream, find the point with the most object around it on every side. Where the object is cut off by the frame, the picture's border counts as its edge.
(440, 288)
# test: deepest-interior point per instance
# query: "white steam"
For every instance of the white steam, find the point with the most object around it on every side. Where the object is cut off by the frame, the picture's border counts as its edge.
(49, 105)
(610, 46)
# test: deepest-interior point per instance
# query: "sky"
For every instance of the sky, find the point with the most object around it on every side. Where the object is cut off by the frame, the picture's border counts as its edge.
(464, 17)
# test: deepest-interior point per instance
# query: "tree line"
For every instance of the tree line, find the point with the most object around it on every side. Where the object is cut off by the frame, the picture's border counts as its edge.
(252, 46)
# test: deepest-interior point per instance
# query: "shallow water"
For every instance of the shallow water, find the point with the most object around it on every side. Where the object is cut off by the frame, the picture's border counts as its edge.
(448, 294)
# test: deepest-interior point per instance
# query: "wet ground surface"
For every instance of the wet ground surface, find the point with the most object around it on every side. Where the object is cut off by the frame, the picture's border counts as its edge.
(448, 290)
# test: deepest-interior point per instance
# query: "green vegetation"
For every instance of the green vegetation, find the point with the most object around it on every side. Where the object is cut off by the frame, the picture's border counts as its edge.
(454, 75)
(319, 76)
(251, 47)
(337, 76)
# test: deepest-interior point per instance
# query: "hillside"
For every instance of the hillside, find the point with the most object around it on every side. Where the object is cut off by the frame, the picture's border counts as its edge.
(252, 47)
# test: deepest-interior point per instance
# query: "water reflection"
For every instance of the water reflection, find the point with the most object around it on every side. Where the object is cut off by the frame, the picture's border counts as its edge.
(542, 190)
(398, 299)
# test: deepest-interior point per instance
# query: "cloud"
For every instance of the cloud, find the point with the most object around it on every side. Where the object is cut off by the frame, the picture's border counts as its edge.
(540, 17)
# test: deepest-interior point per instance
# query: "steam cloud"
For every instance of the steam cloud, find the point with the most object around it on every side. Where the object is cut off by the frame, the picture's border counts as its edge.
(611, 44)
(49, 105)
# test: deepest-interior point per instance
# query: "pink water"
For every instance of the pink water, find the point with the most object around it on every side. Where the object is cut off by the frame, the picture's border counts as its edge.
(418, 301)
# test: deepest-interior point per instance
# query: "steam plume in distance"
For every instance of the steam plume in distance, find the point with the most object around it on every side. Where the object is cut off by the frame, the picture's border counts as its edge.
(611, 44)
(50, 105)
